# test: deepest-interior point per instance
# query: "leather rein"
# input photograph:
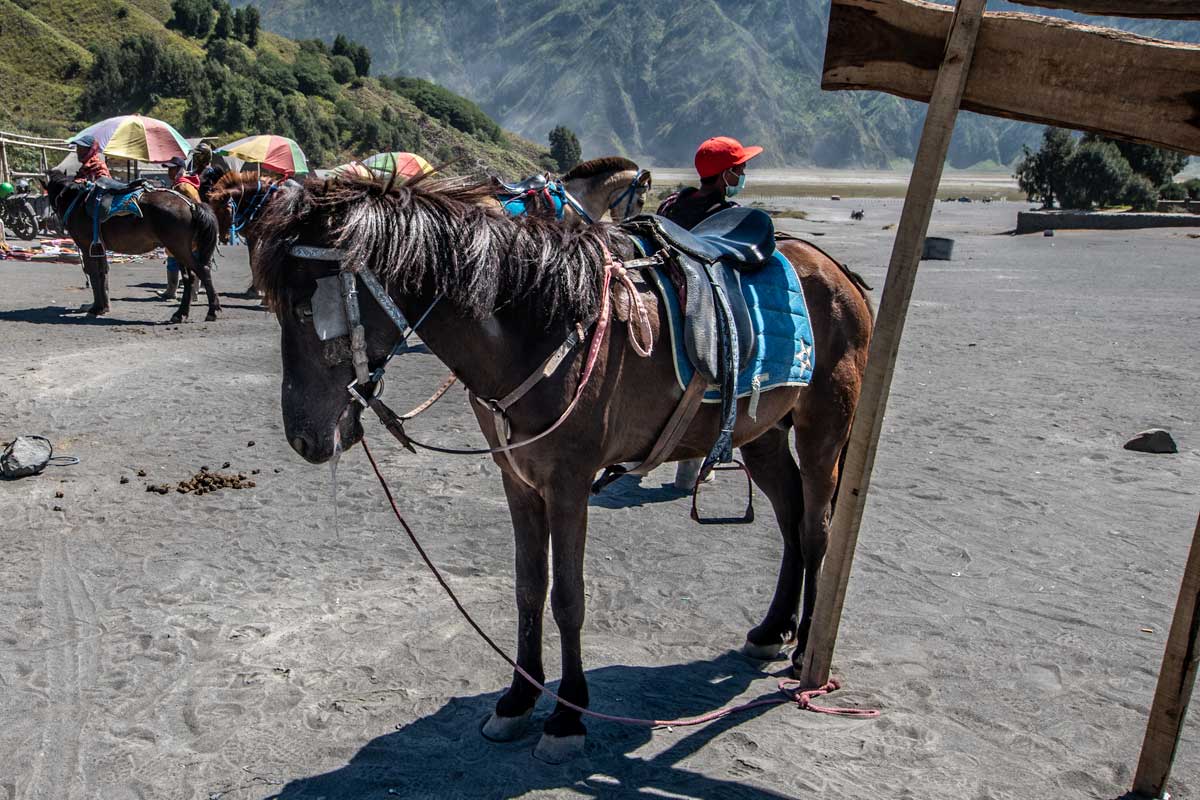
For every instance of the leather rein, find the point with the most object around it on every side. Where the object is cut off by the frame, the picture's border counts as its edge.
(365, 378)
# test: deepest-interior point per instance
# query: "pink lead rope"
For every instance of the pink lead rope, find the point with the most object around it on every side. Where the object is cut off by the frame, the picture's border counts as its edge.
(789, 688)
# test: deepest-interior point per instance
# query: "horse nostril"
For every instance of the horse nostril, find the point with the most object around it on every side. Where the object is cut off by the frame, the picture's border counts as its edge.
(300, 445)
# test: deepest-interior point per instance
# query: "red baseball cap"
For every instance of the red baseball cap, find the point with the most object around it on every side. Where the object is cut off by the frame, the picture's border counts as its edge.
(719, 153)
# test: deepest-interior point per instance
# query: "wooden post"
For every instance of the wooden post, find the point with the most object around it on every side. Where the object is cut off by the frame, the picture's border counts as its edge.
(1176, 680)
(4, 175)
(885, 341)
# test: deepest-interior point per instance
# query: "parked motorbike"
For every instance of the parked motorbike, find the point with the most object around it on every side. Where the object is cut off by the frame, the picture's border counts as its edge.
(16, 210)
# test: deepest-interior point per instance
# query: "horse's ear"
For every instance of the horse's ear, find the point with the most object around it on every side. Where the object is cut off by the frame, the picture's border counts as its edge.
(644, 178)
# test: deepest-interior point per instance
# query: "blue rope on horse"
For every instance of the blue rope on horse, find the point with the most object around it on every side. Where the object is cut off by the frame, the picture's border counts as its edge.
(629, 195)
(258, 200)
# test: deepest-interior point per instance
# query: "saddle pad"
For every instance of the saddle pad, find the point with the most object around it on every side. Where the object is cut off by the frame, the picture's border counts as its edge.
(783, 349)
(125, 205)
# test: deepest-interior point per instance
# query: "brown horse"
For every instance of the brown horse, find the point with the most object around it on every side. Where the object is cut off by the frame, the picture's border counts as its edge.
(187, 230)
(509, 292)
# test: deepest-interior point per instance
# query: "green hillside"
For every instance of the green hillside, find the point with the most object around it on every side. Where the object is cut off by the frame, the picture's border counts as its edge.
(67, 63)
(650, 80)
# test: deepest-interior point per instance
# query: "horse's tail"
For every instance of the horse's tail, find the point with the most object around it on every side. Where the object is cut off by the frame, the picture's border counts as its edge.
(204, 233)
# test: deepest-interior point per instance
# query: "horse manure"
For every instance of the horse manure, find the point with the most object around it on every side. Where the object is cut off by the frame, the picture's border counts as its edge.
(254, 472)
(225, 465)
(204, 482)
(124, 479)
(250, 443)
(141, 473)
(58, 508)
(58, 495)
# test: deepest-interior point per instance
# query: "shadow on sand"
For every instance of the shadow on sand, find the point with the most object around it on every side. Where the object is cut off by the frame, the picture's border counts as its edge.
(60, 315)
(629, 492)
(444, 755)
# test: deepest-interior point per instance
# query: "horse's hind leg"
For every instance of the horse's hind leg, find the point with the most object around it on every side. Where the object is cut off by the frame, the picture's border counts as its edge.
(214, 302)
(769, 460)
(185, 302)
(819, 448)
(511, 717)
(96, 270)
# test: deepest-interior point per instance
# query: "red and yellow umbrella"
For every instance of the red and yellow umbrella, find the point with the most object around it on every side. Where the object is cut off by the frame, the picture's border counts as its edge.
(404, 165)
(276, 153)
(137, 138)
(353, 169)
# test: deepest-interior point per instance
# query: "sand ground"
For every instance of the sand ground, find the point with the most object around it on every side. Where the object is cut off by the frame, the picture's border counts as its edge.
(1015, 579)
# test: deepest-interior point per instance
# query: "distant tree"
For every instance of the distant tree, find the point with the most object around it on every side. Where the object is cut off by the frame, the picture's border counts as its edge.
(312, 75)
(443, 104)
(130, 75)
(357, 53)
(1157, 164)
(1140, 194)
(1174, 191)
(342, 69)
(192, 17)
(224, 27)
(1040, 175)
(1193, 188)
(239, 24)
(1096, 174)
(251, 22)
(564, 147)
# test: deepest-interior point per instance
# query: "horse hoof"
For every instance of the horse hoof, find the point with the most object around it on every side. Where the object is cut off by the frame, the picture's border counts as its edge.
(559, 749)
(177, 319)
(761, 652)
(210, 316)
(98, 312)
(506, 729)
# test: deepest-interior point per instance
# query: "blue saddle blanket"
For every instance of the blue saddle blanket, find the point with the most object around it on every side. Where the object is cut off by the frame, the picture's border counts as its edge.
(122, 205)
(783, 349)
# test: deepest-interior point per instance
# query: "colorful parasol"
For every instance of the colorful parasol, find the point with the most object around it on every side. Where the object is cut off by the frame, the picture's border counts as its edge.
(276, 153)
(138, 138)
(404, 165)
(353, 169)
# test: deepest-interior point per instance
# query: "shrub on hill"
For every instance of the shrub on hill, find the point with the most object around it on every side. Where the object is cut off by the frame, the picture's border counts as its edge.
(192, 17)
(442, 104)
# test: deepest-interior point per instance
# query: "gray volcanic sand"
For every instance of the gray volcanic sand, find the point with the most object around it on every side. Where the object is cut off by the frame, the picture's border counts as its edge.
(1014, 584)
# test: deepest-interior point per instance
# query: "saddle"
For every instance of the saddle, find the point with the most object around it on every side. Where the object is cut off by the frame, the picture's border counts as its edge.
(534, 183)
(703, 264)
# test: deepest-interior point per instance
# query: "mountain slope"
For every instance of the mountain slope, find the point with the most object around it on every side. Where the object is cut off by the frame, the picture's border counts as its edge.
(651, 79)
(53, 45)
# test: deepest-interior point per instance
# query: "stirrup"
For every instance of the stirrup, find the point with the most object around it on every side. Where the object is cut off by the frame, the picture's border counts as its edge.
(92, 250)
(746, 518)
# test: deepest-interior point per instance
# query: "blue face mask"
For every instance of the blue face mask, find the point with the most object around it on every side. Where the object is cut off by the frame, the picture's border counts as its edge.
(730, 191)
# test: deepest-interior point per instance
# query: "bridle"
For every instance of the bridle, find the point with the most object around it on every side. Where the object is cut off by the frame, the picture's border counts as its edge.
(337, 312)
(629, 195)
(257, 203)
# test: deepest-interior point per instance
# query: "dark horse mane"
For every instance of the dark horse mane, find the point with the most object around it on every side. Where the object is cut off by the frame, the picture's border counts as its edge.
(599, 166)
(436, 235)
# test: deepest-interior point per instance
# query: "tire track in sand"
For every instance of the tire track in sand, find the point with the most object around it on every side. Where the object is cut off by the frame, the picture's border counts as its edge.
(71, 669)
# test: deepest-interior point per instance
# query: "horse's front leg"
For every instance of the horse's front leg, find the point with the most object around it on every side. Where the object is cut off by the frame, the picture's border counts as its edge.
(511, 717)
(566, 510)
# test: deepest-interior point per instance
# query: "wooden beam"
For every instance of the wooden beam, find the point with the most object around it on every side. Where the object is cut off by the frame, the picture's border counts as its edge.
(1176, 680)
(1032, 68)
(958, 49)
(1154, 9)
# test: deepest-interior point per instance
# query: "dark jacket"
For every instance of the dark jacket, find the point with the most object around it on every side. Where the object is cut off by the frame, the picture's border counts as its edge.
(687, 208)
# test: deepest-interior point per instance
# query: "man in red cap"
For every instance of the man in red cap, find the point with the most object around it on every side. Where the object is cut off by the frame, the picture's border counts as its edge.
(721, 164)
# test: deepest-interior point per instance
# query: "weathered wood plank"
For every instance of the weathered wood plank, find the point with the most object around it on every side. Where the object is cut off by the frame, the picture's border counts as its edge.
(1027, 67)
(885, 340)
(1176, 680)
(1153, 9)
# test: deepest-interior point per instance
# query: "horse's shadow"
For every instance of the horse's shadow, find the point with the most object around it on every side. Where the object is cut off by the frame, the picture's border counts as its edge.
(629, 492)
(60, 315)
(445, 755)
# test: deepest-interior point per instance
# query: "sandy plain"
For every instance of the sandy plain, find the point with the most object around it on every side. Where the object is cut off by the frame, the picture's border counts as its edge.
(1007, 613)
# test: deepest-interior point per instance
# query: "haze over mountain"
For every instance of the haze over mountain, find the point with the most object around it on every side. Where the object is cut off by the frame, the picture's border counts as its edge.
(652, 79)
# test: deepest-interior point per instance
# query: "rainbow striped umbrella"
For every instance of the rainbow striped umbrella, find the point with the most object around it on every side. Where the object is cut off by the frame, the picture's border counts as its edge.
(404, 165)
(138, 138)
(276, 153)
(354, 169)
